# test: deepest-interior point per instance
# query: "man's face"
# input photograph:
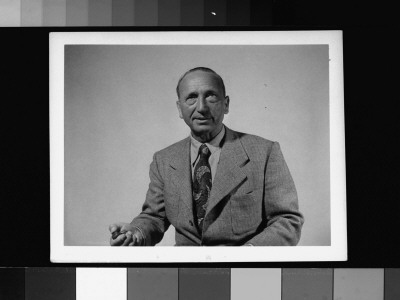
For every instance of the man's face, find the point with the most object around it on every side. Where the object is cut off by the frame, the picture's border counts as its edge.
(202, 104)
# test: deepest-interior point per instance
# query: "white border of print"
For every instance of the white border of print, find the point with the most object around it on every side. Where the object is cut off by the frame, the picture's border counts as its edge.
(338, 249)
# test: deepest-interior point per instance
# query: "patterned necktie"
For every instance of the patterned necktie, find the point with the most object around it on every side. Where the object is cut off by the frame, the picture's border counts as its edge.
(201, 185)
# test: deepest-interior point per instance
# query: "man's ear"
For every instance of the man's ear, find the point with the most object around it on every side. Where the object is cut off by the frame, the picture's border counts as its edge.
(178, 105)
(226, 105)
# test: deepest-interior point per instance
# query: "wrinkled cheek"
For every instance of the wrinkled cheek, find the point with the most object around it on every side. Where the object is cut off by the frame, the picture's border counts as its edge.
(187, 120)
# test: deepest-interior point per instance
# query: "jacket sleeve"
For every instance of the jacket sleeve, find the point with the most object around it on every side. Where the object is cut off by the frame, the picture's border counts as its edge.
(152, 221)
(282, 219)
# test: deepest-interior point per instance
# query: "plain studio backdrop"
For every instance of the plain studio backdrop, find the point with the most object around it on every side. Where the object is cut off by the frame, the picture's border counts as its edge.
(120, 108)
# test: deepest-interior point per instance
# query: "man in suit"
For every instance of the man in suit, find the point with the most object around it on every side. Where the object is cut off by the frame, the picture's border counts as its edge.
(217, 186)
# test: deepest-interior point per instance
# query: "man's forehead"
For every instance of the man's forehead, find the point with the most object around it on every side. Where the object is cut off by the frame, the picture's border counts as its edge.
(200, 77)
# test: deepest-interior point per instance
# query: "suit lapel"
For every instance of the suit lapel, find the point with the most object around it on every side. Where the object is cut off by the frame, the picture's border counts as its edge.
(181, 178)
(229, 172)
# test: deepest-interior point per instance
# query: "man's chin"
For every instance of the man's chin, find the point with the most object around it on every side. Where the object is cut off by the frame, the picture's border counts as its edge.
(202, 129)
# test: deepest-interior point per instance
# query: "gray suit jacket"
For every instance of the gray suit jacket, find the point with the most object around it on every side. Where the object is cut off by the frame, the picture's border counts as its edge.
(253, 198)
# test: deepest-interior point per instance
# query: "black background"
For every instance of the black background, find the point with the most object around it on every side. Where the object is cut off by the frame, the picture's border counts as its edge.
(371, 77)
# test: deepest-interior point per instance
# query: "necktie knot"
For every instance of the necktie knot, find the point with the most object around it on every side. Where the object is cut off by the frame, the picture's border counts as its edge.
(204, 151)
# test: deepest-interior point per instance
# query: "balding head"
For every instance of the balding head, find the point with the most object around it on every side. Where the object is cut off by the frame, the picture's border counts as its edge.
(203, 69)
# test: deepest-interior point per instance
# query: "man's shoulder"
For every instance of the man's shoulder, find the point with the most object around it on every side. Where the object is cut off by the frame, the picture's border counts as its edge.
(174, 148)
(255, 146)
(252, 139)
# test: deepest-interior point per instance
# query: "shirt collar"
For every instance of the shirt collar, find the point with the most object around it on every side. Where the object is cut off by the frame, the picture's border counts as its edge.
(213, 145)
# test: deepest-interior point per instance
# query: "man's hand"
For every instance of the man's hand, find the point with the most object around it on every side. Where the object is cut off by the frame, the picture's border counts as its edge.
(124, 234)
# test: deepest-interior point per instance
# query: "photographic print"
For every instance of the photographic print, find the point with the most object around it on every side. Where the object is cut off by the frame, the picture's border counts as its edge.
(232, 141)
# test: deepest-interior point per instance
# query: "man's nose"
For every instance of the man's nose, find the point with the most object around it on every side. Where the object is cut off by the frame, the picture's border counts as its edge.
(202, 105)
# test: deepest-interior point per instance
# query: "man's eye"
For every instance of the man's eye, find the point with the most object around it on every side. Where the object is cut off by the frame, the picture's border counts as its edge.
(191, 100)
(212, 97)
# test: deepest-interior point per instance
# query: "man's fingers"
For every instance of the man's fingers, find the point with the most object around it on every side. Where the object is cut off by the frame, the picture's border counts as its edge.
(121, 237)
(139, 238)
(118, 241)
(136, 240)
(128, 239)
(117, 233)
(114, 227)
